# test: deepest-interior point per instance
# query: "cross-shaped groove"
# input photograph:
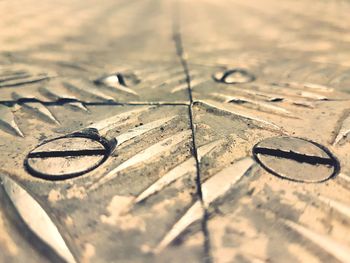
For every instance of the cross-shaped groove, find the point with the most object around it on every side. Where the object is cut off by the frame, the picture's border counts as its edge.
(177, 37)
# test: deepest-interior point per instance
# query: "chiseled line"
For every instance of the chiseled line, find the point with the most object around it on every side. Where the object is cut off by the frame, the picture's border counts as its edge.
(10, 78)
(20, 83)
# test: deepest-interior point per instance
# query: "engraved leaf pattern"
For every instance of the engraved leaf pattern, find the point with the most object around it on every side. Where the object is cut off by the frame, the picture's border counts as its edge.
(36, 218)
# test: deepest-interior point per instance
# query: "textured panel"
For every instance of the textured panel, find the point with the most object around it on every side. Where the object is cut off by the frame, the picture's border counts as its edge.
(177, 131)
(80, 43)
(265, 77)
(131, 199)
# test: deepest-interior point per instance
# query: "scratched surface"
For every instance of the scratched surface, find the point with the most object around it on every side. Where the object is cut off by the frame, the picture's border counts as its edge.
(178, 131)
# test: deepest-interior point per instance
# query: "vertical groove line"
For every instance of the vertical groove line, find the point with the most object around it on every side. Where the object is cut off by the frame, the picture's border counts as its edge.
(177, 37)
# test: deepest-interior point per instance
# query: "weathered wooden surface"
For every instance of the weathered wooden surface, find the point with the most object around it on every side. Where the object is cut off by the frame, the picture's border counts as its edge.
(174, 131)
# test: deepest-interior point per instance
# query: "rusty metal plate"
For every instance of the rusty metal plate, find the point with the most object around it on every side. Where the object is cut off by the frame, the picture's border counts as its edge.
(178, 131)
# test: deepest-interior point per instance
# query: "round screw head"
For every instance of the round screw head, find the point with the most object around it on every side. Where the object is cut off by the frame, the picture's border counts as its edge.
(233, 76)
(67, 157)
(296, 159)
(124, 79)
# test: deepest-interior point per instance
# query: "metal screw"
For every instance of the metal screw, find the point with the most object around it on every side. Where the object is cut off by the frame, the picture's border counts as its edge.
(296, 159)
(125, 79)
(234, 76)
(69, 156)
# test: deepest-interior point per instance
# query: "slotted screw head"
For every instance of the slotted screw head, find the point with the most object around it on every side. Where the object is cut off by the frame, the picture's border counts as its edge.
(296, 159)
(69, 156)
(234, 76)
(124, 79)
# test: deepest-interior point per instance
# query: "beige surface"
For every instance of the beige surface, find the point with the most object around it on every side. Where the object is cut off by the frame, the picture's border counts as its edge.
(182, 186)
